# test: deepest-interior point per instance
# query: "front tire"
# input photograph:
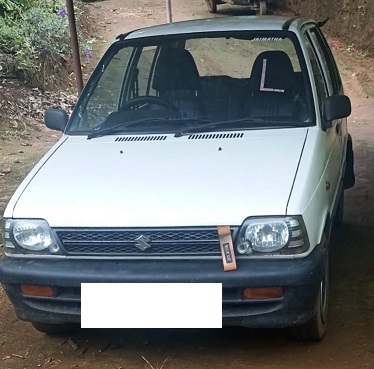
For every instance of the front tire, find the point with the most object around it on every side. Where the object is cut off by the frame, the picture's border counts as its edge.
(261, 7)
(315, 328)
(349, 176)
(212, 6)
(339, 216)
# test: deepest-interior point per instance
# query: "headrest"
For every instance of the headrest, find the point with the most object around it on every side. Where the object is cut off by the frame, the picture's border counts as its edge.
(272, 71)
(176, 70)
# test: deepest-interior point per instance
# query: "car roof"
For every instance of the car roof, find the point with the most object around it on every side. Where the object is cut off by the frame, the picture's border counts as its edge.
(237, 23)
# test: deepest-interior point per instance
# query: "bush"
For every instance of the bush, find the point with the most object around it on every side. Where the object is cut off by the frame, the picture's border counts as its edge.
(47, 32)
(11, 38)
(13, 9)
(38, 40)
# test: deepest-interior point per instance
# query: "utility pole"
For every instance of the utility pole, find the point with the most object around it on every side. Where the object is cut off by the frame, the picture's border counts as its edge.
(74, 45)
(169, 17)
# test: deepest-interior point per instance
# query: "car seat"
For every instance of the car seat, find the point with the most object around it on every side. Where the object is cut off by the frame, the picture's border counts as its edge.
(272, 92)
(176, 79)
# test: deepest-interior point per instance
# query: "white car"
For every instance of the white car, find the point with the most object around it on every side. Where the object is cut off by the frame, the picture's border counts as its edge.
(183, 131)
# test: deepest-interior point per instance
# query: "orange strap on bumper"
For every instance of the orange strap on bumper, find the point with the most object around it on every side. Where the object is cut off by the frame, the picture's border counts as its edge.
(227, 248)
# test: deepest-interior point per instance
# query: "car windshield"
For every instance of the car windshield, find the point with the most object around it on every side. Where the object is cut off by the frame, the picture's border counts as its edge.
(173, 84)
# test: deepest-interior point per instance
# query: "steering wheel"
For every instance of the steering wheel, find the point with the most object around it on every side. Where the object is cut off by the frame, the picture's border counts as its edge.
(151, 100)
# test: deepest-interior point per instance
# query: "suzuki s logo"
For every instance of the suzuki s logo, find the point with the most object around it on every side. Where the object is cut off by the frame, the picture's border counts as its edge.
(142, 243)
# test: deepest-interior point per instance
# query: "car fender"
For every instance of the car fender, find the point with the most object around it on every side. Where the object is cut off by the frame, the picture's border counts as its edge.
(8, 213)
(309, 195)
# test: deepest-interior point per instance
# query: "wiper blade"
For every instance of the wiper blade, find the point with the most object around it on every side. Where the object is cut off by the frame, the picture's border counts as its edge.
(263, 122)
(114, 129)
(193, 129)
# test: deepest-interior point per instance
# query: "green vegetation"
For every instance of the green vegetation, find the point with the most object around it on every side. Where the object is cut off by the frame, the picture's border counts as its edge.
(13, 9)
(35, 40)
(363, 53)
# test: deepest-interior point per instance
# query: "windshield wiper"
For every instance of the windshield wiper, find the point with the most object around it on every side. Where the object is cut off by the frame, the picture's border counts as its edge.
(114, 129)
(117, 127)
(264, 123)
(193, 129)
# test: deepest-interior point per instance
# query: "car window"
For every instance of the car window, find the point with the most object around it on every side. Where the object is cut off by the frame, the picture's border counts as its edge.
(144, 66)
(320, 82)
(103, 99)
(322, 60)
(331, 71)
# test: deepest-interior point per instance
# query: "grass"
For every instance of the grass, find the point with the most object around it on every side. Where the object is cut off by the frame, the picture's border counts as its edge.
(8, 135)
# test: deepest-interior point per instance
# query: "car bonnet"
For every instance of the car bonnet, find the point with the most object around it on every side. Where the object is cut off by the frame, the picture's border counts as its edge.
(160, 180)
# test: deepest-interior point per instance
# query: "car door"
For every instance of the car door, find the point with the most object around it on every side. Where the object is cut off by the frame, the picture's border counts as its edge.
(328, 83)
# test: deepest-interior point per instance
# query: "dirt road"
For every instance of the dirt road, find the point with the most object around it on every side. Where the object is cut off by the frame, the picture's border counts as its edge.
(349, 342)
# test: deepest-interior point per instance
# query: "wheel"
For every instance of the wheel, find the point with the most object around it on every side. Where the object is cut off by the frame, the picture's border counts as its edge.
(212, 6)
(339, 216)
(315, 328)
(149, 100)
(54, 329)
(261, 7)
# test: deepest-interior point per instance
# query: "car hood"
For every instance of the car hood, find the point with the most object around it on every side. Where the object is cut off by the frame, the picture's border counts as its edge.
(156, 180)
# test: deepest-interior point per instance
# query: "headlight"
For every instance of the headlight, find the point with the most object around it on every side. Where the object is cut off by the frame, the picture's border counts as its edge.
(29, 236)
(280, 236)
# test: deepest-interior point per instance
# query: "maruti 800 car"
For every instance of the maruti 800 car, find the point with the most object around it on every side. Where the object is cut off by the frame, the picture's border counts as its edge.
(183, 128)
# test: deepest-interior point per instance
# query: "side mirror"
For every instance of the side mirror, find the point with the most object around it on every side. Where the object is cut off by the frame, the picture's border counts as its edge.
(56, 119)
(335, 107)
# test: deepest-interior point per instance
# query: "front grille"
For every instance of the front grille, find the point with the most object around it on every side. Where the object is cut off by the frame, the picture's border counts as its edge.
(122, 242)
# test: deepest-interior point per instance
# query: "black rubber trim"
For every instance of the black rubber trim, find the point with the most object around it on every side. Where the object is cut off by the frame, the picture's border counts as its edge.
(122, 36)
(288, 22)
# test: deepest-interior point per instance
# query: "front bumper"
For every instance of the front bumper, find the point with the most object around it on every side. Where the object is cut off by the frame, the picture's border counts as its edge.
(300, 279)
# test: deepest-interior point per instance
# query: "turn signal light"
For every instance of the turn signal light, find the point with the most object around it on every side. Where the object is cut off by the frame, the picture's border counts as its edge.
(35, 290)
(263, 293)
